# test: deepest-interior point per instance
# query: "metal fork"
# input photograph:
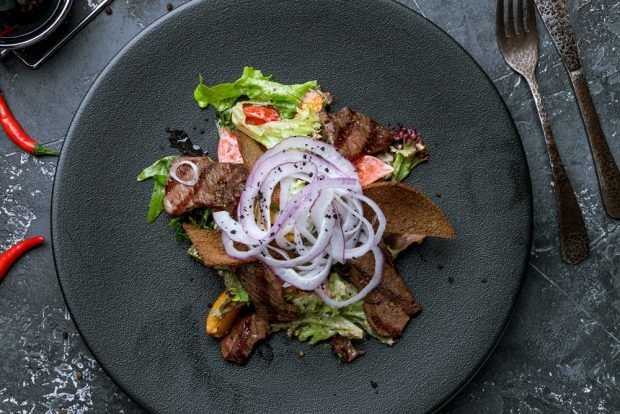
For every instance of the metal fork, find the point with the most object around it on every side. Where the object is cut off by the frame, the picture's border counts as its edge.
(519, 46)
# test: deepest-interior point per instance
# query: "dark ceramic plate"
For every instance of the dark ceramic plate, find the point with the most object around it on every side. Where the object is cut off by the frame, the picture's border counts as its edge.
(140, 302)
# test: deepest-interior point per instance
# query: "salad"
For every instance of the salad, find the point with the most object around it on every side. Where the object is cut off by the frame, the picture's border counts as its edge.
(302, 215)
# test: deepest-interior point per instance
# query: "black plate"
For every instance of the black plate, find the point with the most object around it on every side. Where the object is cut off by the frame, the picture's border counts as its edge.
(140, 302)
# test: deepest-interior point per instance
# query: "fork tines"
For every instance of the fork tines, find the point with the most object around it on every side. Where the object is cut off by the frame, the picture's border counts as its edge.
(518, 26)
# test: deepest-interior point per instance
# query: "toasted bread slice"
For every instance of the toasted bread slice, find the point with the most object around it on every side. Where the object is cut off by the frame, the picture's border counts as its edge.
(250, 149)
(208, 242)
(410, 215)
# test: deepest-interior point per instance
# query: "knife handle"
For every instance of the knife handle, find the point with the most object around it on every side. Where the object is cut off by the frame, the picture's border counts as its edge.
(606, 167)
(574, 240)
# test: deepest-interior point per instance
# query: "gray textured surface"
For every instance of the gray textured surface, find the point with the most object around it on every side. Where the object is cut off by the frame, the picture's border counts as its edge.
(561, 352)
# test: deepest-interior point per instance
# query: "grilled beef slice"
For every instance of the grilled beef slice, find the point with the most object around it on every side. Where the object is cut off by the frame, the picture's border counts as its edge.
(390, 305)
(219, 186)
(265, 290)
(354, 134)
(244, 335)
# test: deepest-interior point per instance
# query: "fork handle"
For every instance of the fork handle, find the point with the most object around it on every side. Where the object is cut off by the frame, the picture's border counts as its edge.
(606, 167)
(574, 242)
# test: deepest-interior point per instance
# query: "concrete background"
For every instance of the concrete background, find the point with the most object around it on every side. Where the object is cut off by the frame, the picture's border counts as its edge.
(561, 352)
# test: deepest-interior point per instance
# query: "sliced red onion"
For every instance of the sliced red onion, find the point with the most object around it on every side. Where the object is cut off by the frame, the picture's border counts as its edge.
(195, 171)
(325, 218)
(337, 242)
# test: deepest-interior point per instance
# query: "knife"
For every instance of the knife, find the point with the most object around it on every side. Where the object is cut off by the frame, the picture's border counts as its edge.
(556, 18)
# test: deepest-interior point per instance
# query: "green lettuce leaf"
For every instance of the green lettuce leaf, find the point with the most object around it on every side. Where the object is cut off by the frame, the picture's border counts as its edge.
(159, 172)
(193, 253)
(407, 153)
(320, 321)
(256, 86)
(315, 329)
(238, 293)
(201, 217)
(305, 122)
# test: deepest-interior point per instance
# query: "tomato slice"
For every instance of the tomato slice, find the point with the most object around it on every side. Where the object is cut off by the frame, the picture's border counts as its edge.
(370, 169)
(228, 148)
(259, 114)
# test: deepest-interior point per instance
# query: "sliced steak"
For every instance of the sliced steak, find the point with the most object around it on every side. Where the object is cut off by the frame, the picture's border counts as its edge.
(219, 186)
(244, 335)
(266, 292)
(390, 305)
(354, 134)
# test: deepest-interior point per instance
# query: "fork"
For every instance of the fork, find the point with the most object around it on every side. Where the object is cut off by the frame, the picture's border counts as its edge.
(519, 46)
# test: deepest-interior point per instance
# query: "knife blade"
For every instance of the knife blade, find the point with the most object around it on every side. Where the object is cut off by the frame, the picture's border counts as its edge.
(557, 21)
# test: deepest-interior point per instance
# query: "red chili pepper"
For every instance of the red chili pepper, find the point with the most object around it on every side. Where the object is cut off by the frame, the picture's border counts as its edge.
(15, 252)
(17, 134)
(258, 114)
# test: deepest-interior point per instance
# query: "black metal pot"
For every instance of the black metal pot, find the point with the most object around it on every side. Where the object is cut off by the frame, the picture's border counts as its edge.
(26, 22)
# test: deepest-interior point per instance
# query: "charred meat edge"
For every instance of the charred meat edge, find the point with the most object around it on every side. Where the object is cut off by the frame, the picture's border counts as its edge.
(354, 134)
(248, 331)
(266, 292)
(219, 186)
(390, 305)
